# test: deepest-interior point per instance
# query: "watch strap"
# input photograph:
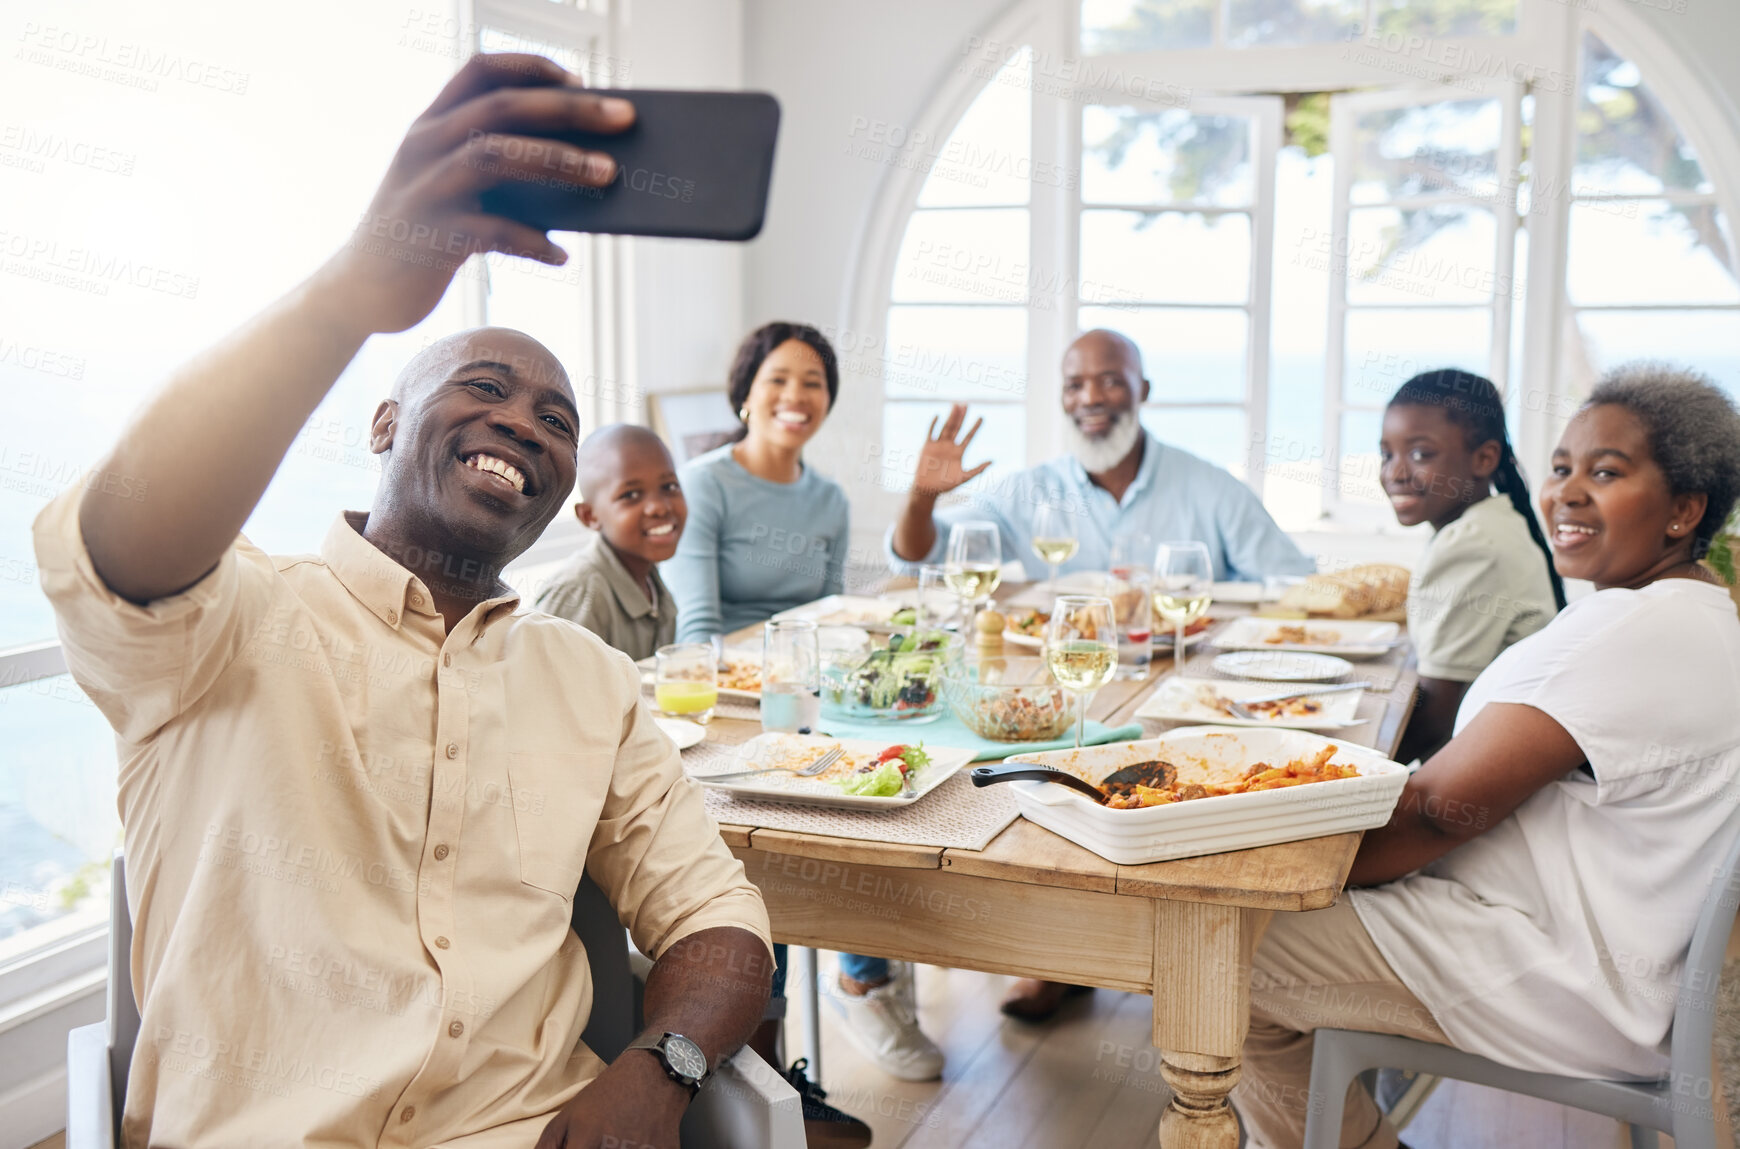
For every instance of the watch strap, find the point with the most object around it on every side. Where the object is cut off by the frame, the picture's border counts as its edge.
(656, 1045)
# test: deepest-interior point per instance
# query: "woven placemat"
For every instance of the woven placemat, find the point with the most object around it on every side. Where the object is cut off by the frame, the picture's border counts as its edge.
(956, 815)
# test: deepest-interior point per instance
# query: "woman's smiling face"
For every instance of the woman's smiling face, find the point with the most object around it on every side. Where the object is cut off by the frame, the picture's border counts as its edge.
(1611, 516)
(789, 397)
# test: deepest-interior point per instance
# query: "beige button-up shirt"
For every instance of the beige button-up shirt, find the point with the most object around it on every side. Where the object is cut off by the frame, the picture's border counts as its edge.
(352, 841)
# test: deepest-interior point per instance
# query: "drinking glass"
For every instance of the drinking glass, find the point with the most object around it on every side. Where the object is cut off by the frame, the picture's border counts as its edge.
(1054, 538)
(975, 564)
(1131, 590)
(1183, 588)
(1132, 549)
(936, 602)
(791, 676)
(686, 681)
(1081, 648)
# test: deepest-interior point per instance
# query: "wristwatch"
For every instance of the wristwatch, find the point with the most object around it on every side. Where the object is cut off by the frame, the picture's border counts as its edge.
(683, 1060)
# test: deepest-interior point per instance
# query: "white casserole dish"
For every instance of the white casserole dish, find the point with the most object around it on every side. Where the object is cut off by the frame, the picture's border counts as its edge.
(1211, 825)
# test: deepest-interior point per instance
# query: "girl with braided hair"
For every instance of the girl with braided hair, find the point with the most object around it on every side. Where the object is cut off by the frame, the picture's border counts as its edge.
(1486, 579)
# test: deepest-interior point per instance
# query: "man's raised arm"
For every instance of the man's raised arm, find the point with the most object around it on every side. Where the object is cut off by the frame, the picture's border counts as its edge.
(208, 444)
(939, 471)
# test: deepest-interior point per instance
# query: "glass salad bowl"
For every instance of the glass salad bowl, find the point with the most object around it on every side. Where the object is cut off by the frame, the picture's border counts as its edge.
(899, 681)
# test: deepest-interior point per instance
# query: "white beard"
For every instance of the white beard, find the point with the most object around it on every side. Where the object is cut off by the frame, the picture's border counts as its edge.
(1097, 456)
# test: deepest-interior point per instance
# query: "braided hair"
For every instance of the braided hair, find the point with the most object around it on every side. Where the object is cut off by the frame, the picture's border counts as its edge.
(1472, 403)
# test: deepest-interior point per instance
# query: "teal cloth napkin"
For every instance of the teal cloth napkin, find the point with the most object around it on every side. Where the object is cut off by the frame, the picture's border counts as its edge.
(950, 731)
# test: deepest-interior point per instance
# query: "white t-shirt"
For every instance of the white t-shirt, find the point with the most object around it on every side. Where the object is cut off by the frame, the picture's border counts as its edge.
(1555, 940)
(1480, 587)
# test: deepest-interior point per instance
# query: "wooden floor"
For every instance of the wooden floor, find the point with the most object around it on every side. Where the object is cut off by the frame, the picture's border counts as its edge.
(1089, 1079)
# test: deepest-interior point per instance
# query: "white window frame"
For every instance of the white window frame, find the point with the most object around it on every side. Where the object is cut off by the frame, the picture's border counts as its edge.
(1265, 114)
(1344, 112)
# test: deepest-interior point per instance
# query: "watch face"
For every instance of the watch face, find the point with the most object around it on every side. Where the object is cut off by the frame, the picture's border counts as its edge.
(685, 1056)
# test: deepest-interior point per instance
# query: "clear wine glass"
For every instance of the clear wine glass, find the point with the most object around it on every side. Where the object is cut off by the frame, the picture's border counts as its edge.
(974, 565)
(1081, 648)
(1183, 588)
(1054, 538)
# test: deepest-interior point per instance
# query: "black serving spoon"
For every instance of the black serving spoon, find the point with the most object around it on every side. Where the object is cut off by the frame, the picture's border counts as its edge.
(1151, 773)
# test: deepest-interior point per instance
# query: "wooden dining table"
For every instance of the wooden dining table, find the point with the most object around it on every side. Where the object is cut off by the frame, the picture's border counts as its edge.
(1034, 904)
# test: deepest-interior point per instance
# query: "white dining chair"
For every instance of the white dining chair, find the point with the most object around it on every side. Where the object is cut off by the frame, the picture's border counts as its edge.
(1682, 1104)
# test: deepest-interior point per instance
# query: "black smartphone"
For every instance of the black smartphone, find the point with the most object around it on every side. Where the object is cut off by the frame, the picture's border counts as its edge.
(694, 165)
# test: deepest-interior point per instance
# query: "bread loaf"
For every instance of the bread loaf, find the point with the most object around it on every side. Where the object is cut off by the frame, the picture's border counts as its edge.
(1375, 588)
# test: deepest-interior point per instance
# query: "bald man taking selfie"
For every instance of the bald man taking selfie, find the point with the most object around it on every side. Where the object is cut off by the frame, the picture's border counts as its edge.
(360, 787)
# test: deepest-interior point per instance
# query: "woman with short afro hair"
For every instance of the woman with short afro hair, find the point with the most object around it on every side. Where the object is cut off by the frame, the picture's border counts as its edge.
(1533, 896)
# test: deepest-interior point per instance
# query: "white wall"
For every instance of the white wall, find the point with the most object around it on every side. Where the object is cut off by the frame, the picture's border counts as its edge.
(830, 62)
(687, 294)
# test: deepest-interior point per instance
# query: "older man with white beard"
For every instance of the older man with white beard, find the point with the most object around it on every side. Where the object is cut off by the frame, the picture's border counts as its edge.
(1116, 481)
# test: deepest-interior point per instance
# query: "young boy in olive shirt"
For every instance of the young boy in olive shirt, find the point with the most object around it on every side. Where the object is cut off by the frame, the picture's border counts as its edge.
(630, 496)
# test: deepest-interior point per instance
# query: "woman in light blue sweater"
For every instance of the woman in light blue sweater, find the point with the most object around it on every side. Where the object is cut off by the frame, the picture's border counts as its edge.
(766, 533)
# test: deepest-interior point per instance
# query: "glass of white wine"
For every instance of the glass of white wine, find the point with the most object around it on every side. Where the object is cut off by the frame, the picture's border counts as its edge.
(1183, 588)
(1054, 538)
(974, 565)
(1081, 648)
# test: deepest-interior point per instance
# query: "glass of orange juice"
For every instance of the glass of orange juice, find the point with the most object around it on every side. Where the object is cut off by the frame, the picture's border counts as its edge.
(686, 681)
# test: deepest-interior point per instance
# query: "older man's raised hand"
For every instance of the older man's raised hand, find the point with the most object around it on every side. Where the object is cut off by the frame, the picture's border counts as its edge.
(940, 466)
(489, 126)
(940, 470)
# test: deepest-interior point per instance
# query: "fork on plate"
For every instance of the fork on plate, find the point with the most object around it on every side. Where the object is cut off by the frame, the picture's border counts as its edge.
(810, 771)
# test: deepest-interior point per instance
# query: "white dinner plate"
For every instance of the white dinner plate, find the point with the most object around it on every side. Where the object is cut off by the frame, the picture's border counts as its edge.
(1179, 699)
(1348, 638)
(846, 610)
(772, 749)
(1282, 665)
(684, 733)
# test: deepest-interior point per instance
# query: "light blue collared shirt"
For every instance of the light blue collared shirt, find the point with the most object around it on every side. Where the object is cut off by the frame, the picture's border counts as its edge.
(1175, 496)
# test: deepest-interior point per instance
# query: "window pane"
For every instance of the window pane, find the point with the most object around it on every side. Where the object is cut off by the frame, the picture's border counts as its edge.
(1216, 435)
(1424, 255)
(1444, 148)
(1146, 25)
(1165, 257)
(1706, 340)
(1358, 477)
(1387, 348)
(1002, 441)
(967, 353)
(1445, 17)
(1188, 355)
(1292, 21)
(492, 39)
(1648, 251)
(58, 820)
(963, 257)
(987, 159)
(1133, 157)
(1626, 141)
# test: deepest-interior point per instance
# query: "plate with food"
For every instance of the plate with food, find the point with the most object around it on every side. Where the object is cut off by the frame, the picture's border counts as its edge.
(1222, 788)
(864, 775)
(1180, 699)
(1164, 634)
(881, 614)
(1282, 665)
(1345, 637)
(1025, 626)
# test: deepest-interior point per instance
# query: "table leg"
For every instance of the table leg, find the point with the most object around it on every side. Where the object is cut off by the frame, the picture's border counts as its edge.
(1202, 1011)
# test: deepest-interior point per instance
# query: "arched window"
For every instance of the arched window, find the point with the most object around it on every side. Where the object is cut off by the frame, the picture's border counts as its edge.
(1292, 206)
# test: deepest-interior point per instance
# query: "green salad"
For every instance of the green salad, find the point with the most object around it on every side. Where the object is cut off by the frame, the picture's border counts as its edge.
(897, 678)
(887, 776)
